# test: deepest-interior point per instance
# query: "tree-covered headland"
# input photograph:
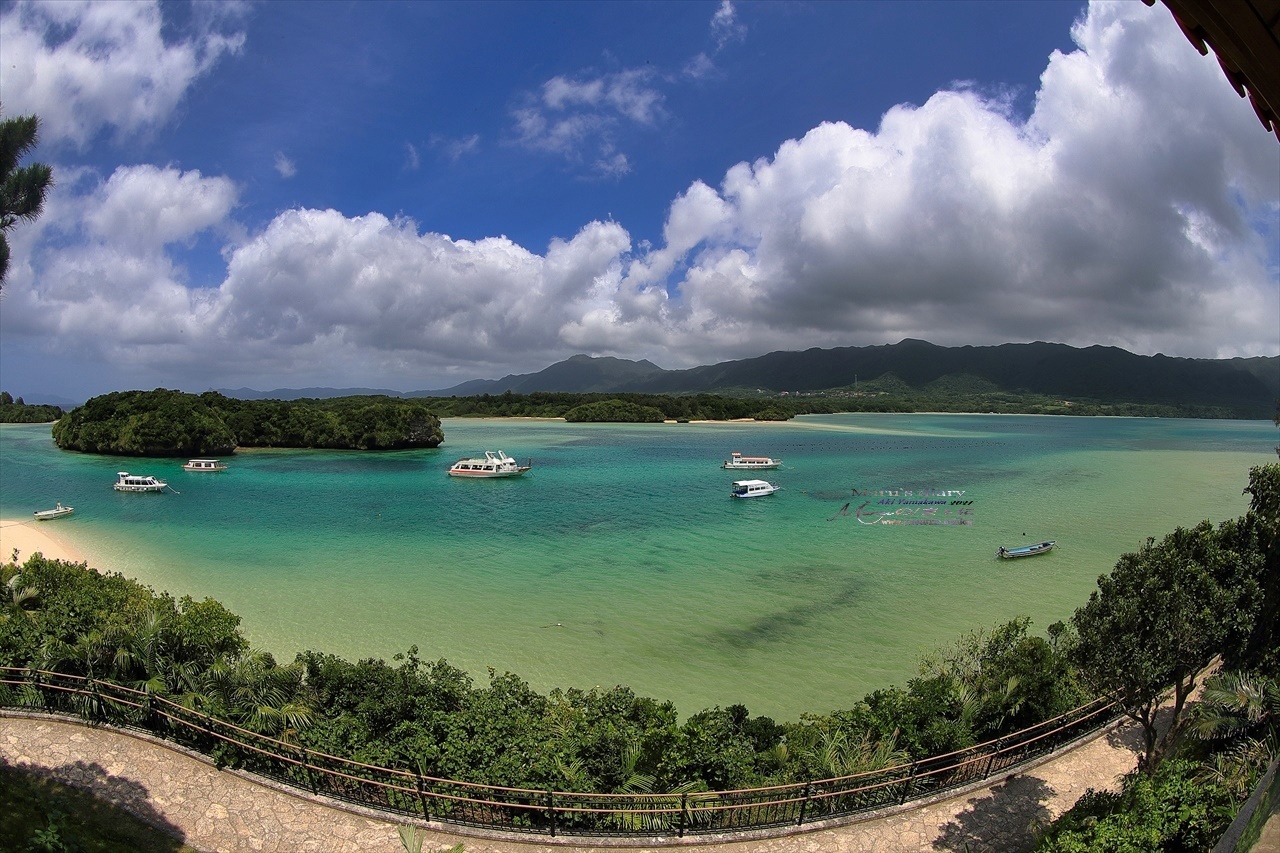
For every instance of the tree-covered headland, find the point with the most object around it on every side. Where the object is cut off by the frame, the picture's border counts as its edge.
(1144, 635)
(171, 423)
(17, 412)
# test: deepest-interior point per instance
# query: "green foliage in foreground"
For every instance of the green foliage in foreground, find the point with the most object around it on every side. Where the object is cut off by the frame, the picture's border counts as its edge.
(17, 412)
(38, 814)
(1164, 612)
(431, 716)
(1168, 609)
(171, 423)
(1174, 810)
(1148, 629)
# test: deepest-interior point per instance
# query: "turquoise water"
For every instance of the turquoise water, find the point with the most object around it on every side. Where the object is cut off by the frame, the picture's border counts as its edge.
(621, 558)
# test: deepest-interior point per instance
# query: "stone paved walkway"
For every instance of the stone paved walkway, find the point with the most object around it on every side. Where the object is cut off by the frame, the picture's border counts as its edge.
(215, 810)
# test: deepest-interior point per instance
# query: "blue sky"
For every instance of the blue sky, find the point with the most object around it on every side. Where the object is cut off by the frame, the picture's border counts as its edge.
(409, 195)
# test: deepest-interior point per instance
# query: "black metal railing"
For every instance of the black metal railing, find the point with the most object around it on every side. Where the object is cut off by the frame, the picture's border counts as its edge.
(545, 812)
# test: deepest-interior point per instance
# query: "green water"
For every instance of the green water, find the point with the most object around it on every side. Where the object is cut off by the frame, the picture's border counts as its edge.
(621, 558)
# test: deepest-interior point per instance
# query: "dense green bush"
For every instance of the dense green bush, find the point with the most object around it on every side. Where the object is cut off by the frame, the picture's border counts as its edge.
(1174, 809)
(614, 411)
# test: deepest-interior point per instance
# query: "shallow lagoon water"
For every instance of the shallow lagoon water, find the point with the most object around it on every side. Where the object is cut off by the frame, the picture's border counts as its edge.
(621, 559)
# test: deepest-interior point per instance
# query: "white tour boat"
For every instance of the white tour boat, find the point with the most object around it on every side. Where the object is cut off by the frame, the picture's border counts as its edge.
(738, 462)
(57, 512)
(204, 465)
(753, 488)
(138, 483)
(494, 463)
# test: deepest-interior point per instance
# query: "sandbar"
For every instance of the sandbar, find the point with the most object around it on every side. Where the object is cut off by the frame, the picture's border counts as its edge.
(28, 536)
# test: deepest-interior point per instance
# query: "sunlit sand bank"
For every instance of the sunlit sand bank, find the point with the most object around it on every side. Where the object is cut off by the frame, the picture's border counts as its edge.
(28, 537)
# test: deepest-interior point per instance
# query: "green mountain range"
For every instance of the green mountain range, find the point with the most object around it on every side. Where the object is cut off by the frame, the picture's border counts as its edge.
(1239, 387)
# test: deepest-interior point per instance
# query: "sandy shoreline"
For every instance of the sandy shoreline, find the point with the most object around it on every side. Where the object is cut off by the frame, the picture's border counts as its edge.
(28, 536)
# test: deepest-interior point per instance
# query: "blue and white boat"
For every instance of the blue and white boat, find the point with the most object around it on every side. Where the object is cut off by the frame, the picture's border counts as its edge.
(752, 488)
(1026, 550)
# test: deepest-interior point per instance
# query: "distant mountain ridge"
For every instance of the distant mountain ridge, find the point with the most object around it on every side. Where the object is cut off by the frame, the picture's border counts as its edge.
(1097, 373)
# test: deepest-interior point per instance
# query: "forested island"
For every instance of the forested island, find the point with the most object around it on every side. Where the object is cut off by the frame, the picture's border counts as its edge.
(1149, 628)
(172, 423)
(17, 412)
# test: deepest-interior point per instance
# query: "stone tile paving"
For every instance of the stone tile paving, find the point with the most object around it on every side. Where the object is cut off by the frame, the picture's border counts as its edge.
(215, 810)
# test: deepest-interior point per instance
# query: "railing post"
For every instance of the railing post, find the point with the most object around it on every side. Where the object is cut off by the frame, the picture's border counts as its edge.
(310, 773)
(906, 789)
(93, 695)
(684, 810)
(422, 795)
(551, 811)
(35, 682)
(804, 804)
(992, 760)
(210, 740)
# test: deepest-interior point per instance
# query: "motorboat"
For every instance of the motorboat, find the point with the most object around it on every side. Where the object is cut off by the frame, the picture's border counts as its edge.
(494, 463)
(753, 488)
(738, 462)
(1026, 550)
(204, 465)
(57, 512)
(127, 482)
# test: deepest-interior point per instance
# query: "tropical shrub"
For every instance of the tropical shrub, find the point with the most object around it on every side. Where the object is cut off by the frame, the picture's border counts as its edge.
(1171, 810)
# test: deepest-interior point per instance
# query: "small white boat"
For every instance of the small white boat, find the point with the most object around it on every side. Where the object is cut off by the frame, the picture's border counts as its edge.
(494, 463)
(1026, 550)
(138, 483)
(753, 488)
(204, 465)
(738, 462)
(57, 512)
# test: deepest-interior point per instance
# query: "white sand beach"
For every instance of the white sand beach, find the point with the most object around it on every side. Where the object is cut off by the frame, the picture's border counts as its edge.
(28, 536)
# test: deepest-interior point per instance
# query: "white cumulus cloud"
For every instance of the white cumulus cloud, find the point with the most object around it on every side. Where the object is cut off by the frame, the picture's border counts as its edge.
(1136, 206)
(1125, 211)
(84, 66)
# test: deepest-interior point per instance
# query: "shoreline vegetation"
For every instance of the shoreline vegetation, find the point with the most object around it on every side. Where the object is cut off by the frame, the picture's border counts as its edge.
(164, 423)
(1218, 598)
